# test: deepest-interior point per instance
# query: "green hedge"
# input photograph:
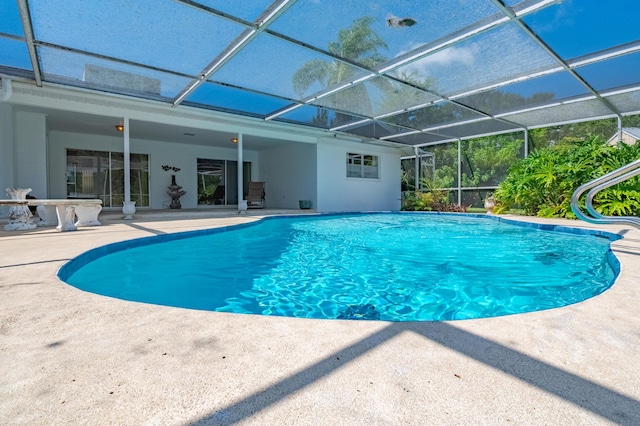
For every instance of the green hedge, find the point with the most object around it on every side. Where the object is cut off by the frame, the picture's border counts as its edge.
(542, 184)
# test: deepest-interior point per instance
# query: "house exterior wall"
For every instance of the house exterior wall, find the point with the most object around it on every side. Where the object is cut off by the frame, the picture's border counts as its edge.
(289, 172)
(338, 193)
(183, 156)
(307, 166)
(630, 136)
(629, 139)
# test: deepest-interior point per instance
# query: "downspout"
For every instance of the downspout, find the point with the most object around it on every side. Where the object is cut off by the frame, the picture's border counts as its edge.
(7, 91)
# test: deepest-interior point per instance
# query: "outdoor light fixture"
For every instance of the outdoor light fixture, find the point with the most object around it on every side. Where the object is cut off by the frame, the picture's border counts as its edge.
(120, 127)
(234, 140)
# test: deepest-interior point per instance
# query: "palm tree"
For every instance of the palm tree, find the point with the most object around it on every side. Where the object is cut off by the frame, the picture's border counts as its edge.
(359, 44)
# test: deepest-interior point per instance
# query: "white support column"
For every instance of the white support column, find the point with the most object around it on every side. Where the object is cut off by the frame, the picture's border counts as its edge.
(127, 162)
(128, 207)
(242, 203)
(526, 143)
(417, 166)
(459, 171)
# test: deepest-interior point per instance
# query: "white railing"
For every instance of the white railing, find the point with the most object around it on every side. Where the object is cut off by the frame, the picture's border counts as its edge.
(597, 185)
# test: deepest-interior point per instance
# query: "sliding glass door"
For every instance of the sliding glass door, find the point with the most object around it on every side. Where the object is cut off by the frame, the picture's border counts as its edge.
(218, 181)
(100, 174)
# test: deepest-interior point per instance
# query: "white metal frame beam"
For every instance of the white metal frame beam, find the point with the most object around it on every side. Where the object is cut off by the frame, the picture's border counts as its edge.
(27, 26)
(242, 41)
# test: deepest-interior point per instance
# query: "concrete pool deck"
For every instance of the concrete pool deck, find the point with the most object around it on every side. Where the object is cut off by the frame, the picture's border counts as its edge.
(72, 357)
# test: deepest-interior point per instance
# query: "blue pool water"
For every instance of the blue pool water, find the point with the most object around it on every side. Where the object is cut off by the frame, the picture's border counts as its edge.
(387, 266)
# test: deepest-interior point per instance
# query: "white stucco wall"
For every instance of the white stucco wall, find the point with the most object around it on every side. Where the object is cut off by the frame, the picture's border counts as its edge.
(292, 172)
(337, 193)
(6, 146)
(289, 172)
(182, 156)
(6, 152)
(31, 153)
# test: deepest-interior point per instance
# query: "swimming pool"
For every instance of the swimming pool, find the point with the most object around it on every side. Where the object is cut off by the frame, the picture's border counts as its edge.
(386, 266)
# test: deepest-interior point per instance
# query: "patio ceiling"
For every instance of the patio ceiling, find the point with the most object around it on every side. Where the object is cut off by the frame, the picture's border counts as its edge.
(384, 69)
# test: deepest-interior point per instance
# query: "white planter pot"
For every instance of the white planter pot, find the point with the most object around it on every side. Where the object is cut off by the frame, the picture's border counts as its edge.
(129, 209)
(489, 205)
(242, 206)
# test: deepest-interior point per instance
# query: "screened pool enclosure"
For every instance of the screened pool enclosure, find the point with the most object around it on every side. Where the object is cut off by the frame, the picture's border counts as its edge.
(426, 78)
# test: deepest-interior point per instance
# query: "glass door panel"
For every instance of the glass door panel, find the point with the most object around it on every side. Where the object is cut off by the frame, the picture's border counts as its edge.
(211, 182)
(98, 174)
(232, 180)
(218, 181)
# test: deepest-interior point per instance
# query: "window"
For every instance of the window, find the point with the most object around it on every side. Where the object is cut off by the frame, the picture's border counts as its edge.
(100, 174)
(362, 166)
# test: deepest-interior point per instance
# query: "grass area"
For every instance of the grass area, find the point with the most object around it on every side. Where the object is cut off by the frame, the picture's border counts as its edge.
(476, 210)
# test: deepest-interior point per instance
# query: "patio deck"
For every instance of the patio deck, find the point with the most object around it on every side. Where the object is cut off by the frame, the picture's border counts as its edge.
(71, 357)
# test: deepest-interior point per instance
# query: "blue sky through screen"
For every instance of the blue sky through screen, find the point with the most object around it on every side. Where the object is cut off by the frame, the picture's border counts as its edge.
(169, 35)
(577, 27)
(10, 18)
(571, 27)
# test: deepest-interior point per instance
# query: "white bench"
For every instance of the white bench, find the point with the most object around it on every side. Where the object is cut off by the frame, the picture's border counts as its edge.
(63, 212)
(53, 212)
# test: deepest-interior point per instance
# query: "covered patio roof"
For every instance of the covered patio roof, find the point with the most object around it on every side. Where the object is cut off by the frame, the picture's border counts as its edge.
(380, 70)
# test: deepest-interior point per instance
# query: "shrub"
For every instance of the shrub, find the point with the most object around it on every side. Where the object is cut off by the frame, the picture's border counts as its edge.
(542, 184)
(432, 200)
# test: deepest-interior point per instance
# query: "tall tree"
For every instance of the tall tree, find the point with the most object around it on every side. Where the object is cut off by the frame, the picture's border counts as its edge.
(357, 43)
(571, 133)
